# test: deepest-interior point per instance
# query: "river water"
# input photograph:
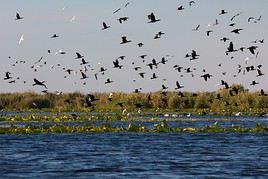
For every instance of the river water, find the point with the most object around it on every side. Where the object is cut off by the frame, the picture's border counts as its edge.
(137, 155)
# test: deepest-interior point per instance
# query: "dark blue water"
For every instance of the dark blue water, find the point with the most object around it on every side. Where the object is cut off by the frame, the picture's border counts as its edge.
(134, 155)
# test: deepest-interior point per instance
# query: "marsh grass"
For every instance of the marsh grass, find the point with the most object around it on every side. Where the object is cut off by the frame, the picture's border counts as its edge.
(200, 102)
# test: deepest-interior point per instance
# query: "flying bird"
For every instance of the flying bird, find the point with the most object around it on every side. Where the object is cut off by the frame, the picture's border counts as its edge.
(124, 40)
(206, 76)
(78, 56)
(7, 76)
(18, 16)
(21, 39)
(180, 8)
(37, 82)
(178, 86)
(252, 49)
(108, 80)
(236, 31)
(191, 3)
(84, 76)
(197, 27)
(122, 19)
(152, 18)
(105, 26)
(222, 12)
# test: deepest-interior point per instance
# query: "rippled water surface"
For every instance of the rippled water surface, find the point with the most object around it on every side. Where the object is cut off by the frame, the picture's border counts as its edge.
(137, 155)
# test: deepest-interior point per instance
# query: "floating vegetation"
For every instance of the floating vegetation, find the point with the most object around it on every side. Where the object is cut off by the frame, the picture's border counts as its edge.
(159, 127)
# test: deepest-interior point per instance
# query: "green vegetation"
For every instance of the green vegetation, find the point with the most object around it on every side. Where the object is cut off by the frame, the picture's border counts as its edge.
(221, 101)
(160, 127)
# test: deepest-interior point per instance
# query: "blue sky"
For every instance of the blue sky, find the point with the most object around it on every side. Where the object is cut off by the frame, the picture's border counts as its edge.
(41, 19)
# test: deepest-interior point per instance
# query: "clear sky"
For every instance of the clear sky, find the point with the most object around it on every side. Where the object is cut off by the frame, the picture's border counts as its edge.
(42, 19)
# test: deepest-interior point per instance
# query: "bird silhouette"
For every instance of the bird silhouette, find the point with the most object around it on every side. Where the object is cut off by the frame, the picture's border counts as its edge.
(152, 18)
(154, 76)
(259, 73)
(262, 93)
(105, 26)
(252, 49)
(7, 76)
(230, 48)
(180, 8)
(206, 76)
(83, 62)
(197, 28)
(18, 16)
(209, 32)
(178, 86)
(108, 80)
(253, 83)
(222, 12)
(116, 64)
(78, 56)
(124, 40)
(84, 76)
(54, 36)
(37, 82)
(122, 19)
(236, 31)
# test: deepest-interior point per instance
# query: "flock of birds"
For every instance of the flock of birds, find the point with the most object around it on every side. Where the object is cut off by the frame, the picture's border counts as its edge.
(152, 64)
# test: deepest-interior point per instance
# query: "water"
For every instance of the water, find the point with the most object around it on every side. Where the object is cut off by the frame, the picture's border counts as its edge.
(137, 155)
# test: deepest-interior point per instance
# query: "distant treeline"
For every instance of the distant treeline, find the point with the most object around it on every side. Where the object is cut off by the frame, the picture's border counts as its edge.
(232, 99)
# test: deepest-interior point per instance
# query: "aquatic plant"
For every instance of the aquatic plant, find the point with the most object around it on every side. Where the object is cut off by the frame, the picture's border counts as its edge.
(107, 127)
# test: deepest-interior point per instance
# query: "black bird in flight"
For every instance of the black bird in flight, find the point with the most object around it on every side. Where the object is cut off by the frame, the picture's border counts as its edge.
(108, 81)
(178, 86)
(91, 98)
(7, 76)
(140, 44)
(197, 27)
(37, 82)
(236, 31)
(83, 62)
(84, 76)
(206, 76)
(222, 12)
(102, 70)
(253, 83)
(259, 73)
(117, 10)
(142, 74)
(154, 76)
(262, 93)
(116, 64)
(152, 18)
(54, 36)
(230, 48)
(122, 19)
(124, 40)
(252, 49)
(105, 26)
(164, 87)
(78, 55)
(208, 32)
(18, 16)
(194, 55)
(224, 39)
(180, 8)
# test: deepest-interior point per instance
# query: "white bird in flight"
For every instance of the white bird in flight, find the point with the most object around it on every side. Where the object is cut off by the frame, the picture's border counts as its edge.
(72, 19)
(21, 39)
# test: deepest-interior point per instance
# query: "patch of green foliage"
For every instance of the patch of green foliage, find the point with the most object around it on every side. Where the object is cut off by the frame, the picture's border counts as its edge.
(106, 127)
(221, 101)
